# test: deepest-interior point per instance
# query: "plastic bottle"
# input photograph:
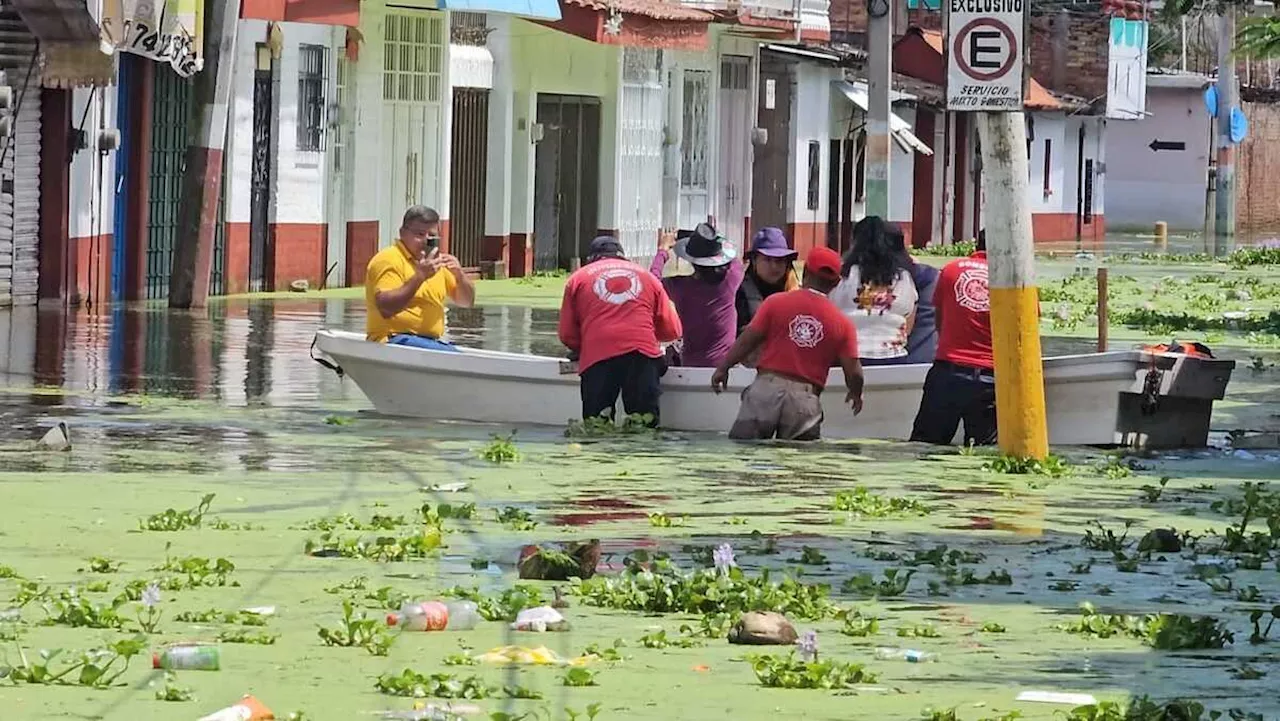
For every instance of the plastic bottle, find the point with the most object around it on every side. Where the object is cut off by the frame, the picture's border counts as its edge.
(435, 616)
(909, 655)
(187, 657)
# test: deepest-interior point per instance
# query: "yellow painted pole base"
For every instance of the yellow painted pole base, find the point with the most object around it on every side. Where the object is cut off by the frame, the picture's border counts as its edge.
(1015, 343)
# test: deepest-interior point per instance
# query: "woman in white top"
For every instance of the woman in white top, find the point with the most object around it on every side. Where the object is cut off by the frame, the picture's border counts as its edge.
(877, 292)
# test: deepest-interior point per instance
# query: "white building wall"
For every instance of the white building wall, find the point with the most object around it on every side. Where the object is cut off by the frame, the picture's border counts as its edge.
(549, 61)
(299, 178)
(810, 122)
(365, 115)
(1145, 186)
(92, 171)
(239, 149)
(902, 165)
(1051, 128)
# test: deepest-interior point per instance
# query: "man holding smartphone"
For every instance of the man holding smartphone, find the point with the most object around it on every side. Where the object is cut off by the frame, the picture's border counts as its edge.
(406, 286)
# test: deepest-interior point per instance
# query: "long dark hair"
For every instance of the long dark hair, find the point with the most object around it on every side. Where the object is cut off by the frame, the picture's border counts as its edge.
(878, 250)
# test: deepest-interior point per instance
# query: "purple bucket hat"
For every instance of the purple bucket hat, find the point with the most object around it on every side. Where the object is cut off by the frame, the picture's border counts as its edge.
(771, 242)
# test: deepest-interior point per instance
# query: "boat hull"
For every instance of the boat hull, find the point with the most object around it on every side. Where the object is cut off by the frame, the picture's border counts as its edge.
(1082, 391)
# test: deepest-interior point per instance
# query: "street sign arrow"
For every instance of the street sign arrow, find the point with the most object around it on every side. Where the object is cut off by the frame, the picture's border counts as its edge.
(1158, 145)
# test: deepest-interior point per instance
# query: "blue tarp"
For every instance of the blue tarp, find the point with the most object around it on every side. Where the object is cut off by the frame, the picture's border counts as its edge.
(539, 9)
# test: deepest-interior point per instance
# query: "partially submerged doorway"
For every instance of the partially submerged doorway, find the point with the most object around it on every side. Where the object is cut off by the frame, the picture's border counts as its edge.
(565, 179)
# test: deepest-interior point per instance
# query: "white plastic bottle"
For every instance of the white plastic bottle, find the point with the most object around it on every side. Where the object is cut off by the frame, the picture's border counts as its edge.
(435, 616)
(909, 655)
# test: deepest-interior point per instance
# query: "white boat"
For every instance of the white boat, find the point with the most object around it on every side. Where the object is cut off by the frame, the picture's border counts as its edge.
(1092, 399)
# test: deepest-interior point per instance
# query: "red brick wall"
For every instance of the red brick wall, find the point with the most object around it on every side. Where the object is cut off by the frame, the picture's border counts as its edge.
(1085, 70)
(850, 16)
(1257, 168)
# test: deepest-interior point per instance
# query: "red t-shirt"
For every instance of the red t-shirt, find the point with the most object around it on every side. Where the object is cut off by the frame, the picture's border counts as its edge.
(804, 335)
(613, 307)
(963, 305)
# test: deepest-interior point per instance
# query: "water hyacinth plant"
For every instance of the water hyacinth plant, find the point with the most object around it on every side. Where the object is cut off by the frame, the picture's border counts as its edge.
(149, 615)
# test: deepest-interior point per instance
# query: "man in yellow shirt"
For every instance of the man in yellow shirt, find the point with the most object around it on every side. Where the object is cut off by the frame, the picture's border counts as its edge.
(406, 284)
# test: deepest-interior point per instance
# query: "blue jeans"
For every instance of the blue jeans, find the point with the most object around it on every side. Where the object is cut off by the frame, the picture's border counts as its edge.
(423, 342)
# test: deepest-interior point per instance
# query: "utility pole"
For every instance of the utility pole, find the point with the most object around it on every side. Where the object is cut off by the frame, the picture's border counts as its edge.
(1225, 190)
(202, 177)
(1015, 306)
(879, 88)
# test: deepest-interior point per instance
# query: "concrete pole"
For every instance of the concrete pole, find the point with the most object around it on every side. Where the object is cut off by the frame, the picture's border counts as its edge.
(879, 87)
(1225, 200)
(202, 179)
(1015, 306)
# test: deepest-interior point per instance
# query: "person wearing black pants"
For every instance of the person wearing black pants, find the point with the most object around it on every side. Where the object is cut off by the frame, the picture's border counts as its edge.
(633, 375)
(961, 385)
(614, 318)
(954, 393)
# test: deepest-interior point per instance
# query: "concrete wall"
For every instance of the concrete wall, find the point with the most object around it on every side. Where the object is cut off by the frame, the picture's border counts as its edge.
(811, 121)
(1145, 186)
(549, 61)
(297, 217)
(92, 197)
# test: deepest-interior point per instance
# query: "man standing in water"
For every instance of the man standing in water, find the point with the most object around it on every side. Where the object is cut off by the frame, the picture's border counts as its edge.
(961, 385)
(407, 283)
(801, 335)
(615, 316)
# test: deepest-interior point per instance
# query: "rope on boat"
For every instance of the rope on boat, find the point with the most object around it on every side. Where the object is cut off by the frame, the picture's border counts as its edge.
(331, 366)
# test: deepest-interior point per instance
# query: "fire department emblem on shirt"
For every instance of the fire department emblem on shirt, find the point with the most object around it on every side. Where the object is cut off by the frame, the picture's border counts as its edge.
(805, 331)
(972, 292)
(617, 286)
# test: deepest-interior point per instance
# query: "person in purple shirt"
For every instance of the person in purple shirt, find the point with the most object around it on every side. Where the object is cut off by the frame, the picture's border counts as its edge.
(704, 300)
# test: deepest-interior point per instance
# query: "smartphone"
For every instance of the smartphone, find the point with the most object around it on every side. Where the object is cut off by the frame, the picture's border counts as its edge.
(433, 251)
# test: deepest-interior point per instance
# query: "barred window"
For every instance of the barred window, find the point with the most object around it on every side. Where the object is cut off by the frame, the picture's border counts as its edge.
(313, 61)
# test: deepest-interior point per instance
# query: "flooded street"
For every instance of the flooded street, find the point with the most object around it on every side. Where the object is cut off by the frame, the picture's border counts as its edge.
(882, 549)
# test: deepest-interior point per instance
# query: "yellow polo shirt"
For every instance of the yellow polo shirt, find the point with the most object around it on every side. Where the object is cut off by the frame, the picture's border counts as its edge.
(391, 268)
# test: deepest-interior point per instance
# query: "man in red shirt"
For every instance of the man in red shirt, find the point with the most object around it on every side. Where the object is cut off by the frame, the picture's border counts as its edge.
(614, 317)
(961, 384)
(801, 335)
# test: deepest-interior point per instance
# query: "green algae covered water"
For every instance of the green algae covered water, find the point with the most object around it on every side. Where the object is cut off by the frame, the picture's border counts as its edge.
(228, 404)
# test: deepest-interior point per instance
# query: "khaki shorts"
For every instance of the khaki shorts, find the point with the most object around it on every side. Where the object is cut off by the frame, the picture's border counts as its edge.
(776, 406)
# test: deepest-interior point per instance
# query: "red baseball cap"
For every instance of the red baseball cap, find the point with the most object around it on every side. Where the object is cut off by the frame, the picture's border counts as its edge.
(823, 260)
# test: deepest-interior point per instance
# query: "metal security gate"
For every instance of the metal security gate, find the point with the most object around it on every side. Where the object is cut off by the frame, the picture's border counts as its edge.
(340, 185)
(565, 179)
(260, 276)
(20, 167)
(171, 112)
(642, 118)
(218, 270)
(469, 163)
(771, 168)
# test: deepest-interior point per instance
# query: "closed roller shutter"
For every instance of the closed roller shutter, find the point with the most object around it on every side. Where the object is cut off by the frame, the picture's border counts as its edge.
(20, 171)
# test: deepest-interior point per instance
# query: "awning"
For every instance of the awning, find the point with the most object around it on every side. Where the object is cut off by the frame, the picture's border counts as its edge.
(536, 9)
(167, 32)
(55, 21)
(901, 129)
(76, 65)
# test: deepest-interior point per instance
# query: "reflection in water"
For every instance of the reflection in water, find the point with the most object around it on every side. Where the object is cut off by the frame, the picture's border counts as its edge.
(240, 353)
